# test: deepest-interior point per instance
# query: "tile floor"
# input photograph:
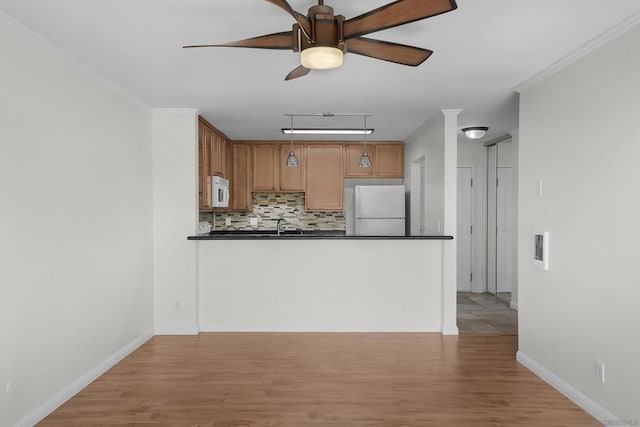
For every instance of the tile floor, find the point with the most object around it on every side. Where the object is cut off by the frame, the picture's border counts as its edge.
(481, 314)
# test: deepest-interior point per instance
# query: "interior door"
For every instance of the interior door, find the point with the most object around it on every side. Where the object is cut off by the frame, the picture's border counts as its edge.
(464, 230)
(504, 228)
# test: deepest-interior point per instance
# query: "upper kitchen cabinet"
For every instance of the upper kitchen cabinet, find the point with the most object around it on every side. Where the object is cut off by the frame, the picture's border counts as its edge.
(325, 178)
(387, 160)
(220, 156)
(353, 153)
(292, 177)
(270, 172)
(214, 158)
(241, 198)
(203, 167)
(265, 163)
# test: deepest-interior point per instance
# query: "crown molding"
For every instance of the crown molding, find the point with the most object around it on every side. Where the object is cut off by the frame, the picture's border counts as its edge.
(593, 44)
(44, 43)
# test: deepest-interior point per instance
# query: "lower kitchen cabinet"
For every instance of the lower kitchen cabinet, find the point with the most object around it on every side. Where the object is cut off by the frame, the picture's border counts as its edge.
(325, 178)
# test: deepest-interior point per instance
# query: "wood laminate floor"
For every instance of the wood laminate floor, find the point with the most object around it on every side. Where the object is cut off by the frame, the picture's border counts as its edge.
(247, 379)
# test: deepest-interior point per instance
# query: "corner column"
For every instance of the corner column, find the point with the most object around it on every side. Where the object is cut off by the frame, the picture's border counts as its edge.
(450, 213)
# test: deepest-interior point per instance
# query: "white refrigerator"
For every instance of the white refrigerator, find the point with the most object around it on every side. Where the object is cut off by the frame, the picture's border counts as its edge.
(380, 210)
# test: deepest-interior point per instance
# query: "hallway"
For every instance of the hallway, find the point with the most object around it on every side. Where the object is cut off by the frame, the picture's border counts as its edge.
(481, 314)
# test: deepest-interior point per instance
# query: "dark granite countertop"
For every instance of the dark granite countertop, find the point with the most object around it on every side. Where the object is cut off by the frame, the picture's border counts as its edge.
(302, 235)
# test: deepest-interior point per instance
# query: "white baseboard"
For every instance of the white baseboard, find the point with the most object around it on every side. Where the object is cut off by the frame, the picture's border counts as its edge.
(72, 389)
(514, 305)
(450, 331)
(177, 331)
(591, 407)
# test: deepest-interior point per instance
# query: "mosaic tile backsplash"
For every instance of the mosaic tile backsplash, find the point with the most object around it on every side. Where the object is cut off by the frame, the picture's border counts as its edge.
(269, 207)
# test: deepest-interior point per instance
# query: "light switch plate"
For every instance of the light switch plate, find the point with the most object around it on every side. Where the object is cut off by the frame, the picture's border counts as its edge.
(227, 221)
(253, 221)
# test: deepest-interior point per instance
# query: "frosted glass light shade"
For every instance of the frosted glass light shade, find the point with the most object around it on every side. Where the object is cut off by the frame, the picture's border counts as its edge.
(321, 58)
(475, 132)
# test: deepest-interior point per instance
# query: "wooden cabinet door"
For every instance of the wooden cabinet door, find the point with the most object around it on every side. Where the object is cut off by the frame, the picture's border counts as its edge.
(325, 178)
(265, 167)
(292, 178)
(201, 174)
(219, 156)
(206, 160)
(389, 161)
(353, 153)
(241, 197)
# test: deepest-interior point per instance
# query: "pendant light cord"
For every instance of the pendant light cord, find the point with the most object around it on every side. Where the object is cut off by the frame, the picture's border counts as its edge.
(365, 133)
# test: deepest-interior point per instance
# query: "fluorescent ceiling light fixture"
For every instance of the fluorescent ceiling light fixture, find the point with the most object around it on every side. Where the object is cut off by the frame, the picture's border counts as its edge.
(327, 131)
(321, 58)
(475, 132)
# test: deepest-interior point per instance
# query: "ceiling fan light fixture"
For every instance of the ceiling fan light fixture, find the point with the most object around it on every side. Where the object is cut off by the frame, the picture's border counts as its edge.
(321, 58)
(475, 132)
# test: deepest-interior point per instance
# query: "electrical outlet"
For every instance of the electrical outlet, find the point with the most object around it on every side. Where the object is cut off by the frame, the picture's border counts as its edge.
(227, 221)
(11, 387)
(600, 371)
(253, 221)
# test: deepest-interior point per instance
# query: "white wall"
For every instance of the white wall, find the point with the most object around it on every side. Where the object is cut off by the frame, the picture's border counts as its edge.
(75, 229)
(175, 216)
(508, 157)
(426, 143)
(577, 136)
(320, 285)
(434, 146)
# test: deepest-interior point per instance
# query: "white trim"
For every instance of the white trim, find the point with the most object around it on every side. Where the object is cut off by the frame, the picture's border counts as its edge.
(190, 111)
(513, 305)
(593, 44)
(212, 327)
(450, 331)
(177, 331)
(39, 413)
(44, 43)
(595, 410)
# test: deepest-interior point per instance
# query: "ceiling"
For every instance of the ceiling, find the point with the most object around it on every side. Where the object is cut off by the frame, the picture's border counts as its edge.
(482, 51)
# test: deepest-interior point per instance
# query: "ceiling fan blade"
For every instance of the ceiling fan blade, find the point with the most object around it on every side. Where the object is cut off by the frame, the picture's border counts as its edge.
(302, 20)
(394, 14)
(387, 51)
(282, 40)
(301, 71)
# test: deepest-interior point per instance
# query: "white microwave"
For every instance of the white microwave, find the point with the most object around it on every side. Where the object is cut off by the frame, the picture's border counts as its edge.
(219, 192)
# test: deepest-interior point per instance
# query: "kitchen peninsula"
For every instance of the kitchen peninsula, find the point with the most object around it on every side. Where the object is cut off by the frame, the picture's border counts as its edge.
(320, 283)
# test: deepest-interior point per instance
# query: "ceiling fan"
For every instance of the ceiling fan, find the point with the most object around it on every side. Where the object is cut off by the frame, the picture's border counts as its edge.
(322, 37)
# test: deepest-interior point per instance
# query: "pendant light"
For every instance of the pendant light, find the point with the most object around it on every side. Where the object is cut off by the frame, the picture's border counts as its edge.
(365, 160)
(292, 160)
